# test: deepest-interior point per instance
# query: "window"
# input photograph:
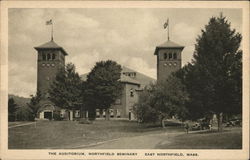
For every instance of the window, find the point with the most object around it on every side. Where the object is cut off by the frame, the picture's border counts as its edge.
(48, 57)
(118, 113)
(104, 113)
(175, 56)
(97, 111)
(165, 56)
(52, 64)
(53, 56)
(43, 64)
(131, 92)
(111, 111)
(77, 113)
(170, 55)
(44, 56)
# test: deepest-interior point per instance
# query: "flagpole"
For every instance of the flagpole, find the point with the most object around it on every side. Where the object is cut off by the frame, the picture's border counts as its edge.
(52, 32)
(168, 29)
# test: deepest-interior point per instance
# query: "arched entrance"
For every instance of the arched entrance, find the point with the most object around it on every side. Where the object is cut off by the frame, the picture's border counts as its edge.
(46, 112)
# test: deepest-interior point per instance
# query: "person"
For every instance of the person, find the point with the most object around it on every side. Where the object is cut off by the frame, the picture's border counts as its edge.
(186, 127)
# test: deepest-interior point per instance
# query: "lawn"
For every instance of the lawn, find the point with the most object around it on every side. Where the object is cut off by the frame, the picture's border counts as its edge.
(230, 138)
(67, 134)
(70, 134)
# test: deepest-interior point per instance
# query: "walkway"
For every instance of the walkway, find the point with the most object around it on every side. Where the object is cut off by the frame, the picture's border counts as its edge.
(22, 124)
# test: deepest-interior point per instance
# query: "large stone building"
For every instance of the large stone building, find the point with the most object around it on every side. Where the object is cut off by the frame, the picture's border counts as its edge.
(52, 56)
(132, 84)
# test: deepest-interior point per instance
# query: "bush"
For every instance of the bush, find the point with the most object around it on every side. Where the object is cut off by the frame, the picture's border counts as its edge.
(57, 116)
(145, 113)
(24, 114)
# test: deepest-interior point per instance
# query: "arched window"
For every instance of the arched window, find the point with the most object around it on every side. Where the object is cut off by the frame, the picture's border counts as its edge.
(53, 56)
(48, 57)
(170, 55)
(175, 56)
(165, 56)
(44, 56)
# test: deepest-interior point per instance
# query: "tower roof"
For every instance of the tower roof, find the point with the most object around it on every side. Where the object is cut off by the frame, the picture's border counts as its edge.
(51, 45)
(168, 44)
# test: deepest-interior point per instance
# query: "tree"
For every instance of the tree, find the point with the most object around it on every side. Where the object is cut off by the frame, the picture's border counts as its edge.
(65, 91)
(217, 69)
(34, 105)
(170, 98)
(164, 99)
(103, 86)
(12, 107)
(188, 77)
(144, 110)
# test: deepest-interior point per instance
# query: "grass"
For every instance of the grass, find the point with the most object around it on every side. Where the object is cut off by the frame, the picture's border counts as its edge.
(228, 139)
(68, 134)
(61, 134)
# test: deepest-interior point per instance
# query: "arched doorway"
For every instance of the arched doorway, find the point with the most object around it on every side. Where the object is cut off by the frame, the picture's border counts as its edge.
(46, 112)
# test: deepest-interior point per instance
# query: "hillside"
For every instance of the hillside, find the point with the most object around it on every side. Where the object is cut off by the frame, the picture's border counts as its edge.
(20, 101)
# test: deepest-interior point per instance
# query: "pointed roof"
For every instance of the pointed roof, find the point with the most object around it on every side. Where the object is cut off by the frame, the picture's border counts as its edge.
(168, 44)
(51, 45)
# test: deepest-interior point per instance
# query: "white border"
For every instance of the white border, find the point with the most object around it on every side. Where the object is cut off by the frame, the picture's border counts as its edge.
(43, 154)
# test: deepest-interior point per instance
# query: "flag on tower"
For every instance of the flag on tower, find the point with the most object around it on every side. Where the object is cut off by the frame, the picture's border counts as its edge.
(166, 24)
(49, 22)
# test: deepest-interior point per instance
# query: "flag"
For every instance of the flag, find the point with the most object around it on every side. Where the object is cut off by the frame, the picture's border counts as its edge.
(49, 22)
(166, 24)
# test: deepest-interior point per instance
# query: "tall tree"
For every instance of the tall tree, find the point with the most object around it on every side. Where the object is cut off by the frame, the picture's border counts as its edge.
(34, 104)
(65, 91)
(103, 85)
(12, 107)
(218, 69)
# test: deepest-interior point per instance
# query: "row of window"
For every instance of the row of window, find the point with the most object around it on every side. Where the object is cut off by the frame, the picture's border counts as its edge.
(113, 113)
(170, 55)
(52, 64)
(170, 64)
(130, 74)
(48, 56)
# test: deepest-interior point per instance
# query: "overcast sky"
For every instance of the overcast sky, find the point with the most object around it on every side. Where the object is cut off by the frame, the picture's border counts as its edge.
(128, 36)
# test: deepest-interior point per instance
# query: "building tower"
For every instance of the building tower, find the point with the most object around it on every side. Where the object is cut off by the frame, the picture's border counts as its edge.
(51, 57)
(168, 59)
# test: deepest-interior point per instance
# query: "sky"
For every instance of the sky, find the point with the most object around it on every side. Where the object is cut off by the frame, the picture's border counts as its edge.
(128, 36)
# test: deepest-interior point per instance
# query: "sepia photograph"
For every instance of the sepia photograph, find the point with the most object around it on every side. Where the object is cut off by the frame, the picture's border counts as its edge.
(125, 79)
